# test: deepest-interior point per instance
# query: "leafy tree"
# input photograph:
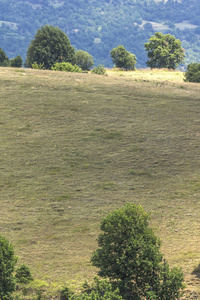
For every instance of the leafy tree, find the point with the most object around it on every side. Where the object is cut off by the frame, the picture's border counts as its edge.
(122, 58)
(84, 60)
(4, 61)
(7, 264)
(16, 62)
(129, 255)
(192, 73)
(23, 274)
(164, 51)
(49, 46)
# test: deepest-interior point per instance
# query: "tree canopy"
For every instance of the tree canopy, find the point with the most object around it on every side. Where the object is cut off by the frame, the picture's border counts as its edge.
(129, 255)
(49, 46)
(164, 51)
(122, 58)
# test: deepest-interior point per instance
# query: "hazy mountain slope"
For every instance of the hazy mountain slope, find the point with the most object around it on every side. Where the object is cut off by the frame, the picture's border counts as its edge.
(98, 26)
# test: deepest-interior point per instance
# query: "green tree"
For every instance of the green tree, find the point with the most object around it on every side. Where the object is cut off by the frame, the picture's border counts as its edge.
(84, 60)
(122, 58)
(7, 264)
(66, 66)
(164, 51)
(49, 46)
(16, 62)
(192, 73)
(4, 61)
(129, 254)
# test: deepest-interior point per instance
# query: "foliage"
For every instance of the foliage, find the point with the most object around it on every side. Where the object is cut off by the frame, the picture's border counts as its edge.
(192, 73)
(129, 253)
(4, 61)
(37, 66)
(164, 51)
(84, 60)
(16, 62)
(99, 70)
(65, 293)
(66, 66)
(7, 264)
(23, 274)
(49, 46)
(122, 58)
(100, 290)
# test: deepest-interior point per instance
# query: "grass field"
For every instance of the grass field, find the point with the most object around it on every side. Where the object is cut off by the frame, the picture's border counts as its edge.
(74, 147)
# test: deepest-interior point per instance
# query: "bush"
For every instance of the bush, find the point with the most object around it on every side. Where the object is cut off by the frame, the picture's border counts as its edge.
(23, 274)
(99, 70)
(67, 67)
(38, 66)
(101, 289)
(16, 62)
(192, 73)
(65, 293)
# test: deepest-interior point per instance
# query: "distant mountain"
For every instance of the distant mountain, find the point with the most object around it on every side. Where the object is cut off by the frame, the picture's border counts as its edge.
(98, 26)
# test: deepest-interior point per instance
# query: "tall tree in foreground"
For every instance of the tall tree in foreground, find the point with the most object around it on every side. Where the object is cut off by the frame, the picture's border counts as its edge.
(49, 46)
(122, 58)
(164, 51)
(129, 255)
(7, 264)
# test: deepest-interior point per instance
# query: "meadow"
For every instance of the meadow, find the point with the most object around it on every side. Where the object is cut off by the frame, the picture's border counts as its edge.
(74, 147)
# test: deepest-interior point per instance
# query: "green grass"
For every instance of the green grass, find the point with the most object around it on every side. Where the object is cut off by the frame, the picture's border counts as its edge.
(74, 147)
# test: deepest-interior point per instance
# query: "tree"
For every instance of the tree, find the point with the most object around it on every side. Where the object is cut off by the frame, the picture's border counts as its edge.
(7, 264)
(129, 255)
(16, 62)
(192, 73)
(4, 61)
(49, 46)
(122, 58)
(164, 51)
(84, 60)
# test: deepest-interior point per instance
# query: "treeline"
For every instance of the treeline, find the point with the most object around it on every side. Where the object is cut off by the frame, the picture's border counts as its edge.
(98, 26)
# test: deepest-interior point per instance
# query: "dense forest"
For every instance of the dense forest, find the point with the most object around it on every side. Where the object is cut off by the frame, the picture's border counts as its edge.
(98, 26)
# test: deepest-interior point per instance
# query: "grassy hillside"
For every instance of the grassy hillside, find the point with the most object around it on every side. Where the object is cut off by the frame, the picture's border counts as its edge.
(76, 146)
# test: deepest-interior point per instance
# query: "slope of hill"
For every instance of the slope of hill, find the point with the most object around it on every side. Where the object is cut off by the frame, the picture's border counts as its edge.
(76, 146)
(98, 26)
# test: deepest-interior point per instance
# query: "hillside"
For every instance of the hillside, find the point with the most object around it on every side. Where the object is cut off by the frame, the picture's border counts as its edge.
(76, 146)
(98, 26)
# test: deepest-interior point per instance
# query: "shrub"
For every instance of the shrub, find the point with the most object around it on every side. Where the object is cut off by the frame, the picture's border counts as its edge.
(23, 274)
(192, 73)
(101, 289)
(38, 66)
(99, 70)
(67, 67)
(65, 293)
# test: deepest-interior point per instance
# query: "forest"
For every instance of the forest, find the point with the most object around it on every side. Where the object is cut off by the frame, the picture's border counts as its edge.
(98, 26)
